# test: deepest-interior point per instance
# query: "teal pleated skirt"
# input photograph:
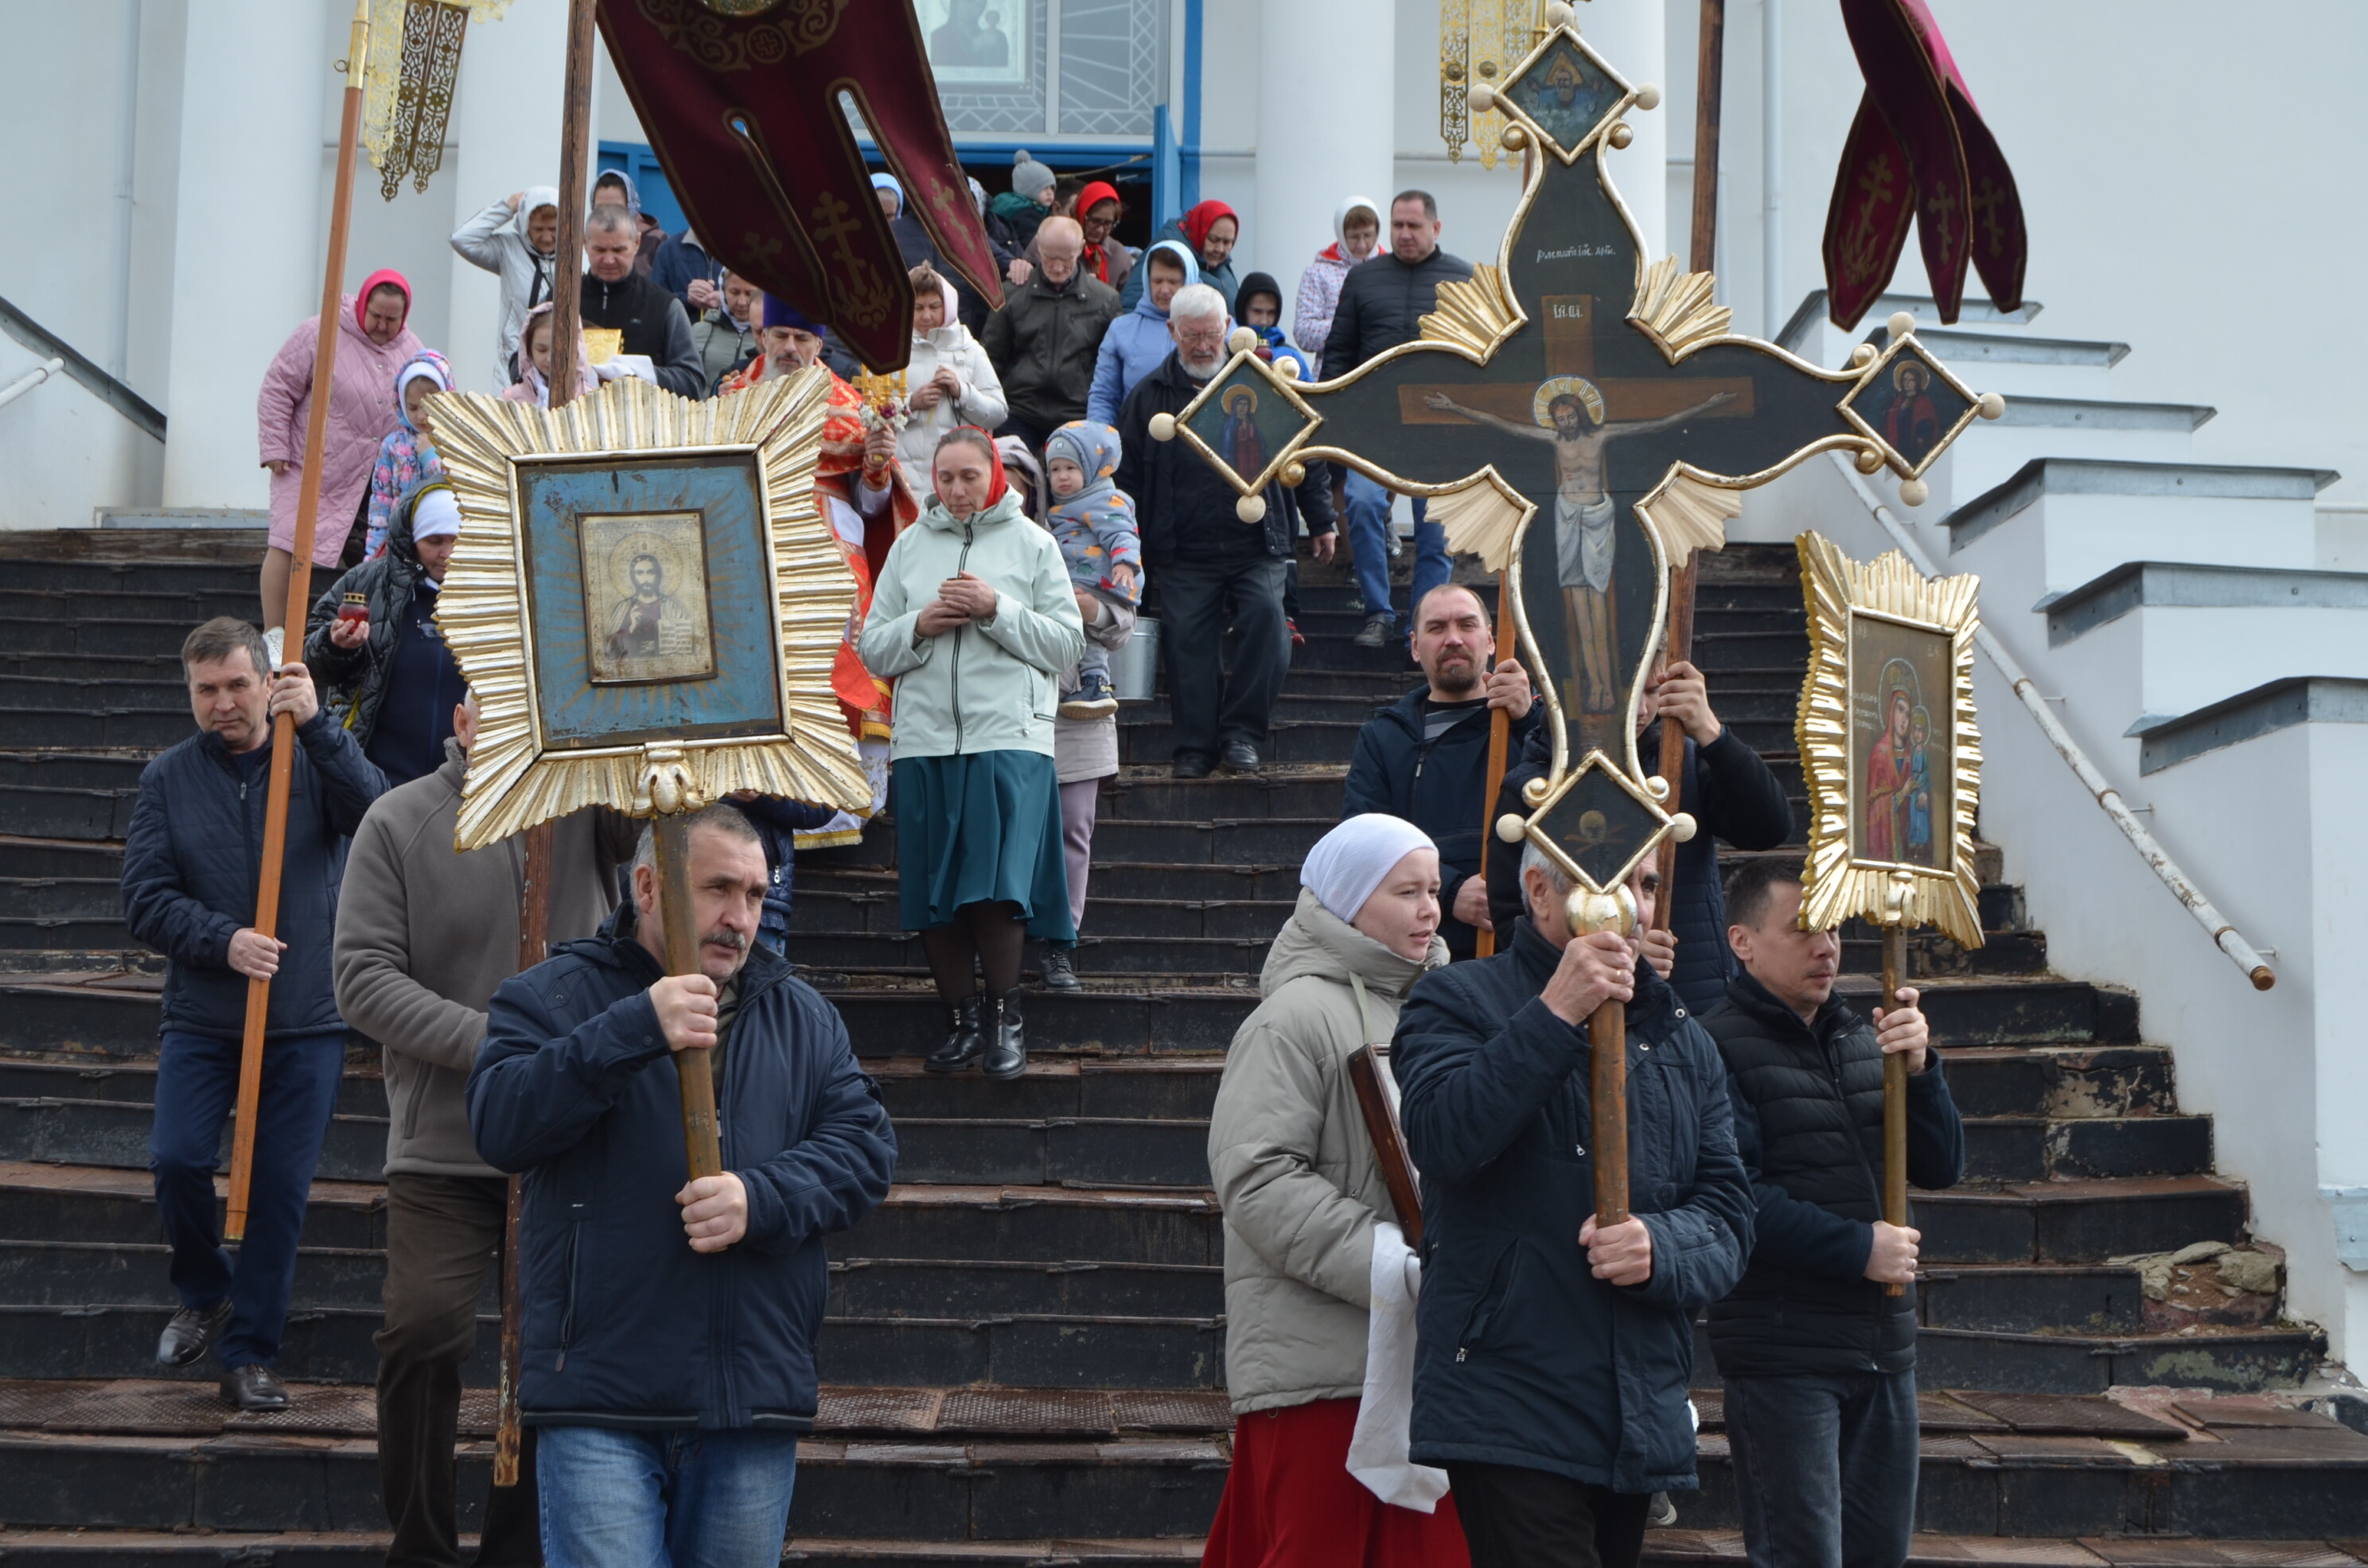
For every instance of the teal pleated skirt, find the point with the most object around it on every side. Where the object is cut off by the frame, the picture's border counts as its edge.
(981, 828)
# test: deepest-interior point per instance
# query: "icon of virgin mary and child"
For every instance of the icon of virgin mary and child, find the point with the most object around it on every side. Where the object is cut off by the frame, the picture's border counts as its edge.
(1898, 799)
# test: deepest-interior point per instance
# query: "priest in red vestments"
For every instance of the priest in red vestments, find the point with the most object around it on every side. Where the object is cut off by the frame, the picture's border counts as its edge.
(861, 491)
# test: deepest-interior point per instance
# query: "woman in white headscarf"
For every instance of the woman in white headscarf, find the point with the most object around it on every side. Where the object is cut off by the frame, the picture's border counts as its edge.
(1356, 238)
(1308, 1228)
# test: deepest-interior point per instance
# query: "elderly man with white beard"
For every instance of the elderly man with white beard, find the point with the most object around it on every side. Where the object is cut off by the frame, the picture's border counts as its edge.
(1210, 569)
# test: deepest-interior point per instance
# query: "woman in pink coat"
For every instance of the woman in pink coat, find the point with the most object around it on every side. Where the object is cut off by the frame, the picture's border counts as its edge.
(373, 345)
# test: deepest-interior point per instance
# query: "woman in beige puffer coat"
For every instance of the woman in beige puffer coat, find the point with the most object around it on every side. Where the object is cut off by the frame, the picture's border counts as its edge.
(1304, 1202)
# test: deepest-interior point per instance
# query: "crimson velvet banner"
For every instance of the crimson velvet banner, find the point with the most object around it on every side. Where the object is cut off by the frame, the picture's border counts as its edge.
(746, 103)
(1918, 150)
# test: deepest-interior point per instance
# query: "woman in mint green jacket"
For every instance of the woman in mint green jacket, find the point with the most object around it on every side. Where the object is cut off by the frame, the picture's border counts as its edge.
(974, 619)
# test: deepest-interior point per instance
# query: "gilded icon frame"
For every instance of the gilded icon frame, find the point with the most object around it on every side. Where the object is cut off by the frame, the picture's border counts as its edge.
(518, 774)
(1840, 882)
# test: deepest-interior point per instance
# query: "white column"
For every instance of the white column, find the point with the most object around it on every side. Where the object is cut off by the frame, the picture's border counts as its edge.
(1632, 35)
(247, 242)
(505, 125)
(1326, 128)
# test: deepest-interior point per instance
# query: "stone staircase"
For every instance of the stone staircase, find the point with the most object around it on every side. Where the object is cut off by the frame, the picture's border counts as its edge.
(1025, 1344)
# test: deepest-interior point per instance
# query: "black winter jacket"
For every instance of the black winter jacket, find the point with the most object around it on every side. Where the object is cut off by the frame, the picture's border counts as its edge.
(1730, 793)
(1185, 507)
(1043, 341)
(624, 1325)
(353, 680)
(193, 859)
(1808, 1120)
(654, 323)
(1383, 302)
(1524, 1358)
(1441, 788)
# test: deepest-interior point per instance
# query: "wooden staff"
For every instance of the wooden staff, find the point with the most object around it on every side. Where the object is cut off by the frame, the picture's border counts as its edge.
(694, 1068)
(1894, 1069)
(1500, 736)
(1365, 1068)
(1607, 1041)
(575, 148)
(1703, 256)
(534, 936)
(299, 592)
(534, 897)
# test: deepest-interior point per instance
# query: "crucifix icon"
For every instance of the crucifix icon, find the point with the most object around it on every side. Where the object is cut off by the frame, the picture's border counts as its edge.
(1583, 421)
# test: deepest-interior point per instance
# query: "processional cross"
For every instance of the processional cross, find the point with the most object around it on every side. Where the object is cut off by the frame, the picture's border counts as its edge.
(1584, 421)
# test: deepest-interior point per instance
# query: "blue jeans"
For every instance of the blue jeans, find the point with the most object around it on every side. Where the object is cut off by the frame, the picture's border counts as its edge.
(197, 1088)
(1368, 524)
(1825, 1467)
(672, 1499)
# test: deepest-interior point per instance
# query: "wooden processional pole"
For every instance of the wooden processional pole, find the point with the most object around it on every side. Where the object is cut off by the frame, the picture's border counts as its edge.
(534, 895)
(1500, 737)
(299, 593)
(1703, 256)
(1894, 1064)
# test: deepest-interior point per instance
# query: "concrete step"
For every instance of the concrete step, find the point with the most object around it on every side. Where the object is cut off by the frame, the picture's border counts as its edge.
(2296, 1482)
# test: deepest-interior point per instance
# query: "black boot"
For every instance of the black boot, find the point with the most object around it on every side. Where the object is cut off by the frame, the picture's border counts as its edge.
(1007, 1042)
(966, 1044)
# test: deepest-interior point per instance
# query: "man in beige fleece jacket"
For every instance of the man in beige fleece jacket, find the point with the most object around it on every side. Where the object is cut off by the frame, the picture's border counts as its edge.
(425, 935)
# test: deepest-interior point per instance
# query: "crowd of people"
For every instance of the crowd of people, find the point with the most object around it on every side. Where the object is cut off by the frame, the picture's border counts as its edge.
(1004, 530)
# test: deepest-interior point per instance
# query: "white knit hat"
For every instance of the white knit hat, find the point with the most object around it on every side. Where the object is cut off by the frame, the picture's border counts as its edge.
(1349, 862)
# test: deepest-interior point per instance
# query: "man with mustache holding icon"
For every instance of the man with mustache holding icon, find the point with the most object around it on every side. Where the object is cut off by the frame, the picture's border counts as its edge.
(668, 1361)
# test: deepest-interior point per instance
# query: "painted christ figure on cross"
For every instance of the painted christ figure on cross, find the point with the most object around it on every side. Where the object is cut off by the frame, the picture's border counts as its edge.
(1569, 413)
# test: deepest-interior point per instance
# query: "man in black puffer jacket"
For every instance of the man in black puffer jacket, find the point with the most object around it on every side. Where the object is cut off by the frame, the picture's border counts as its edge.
(1727, 789)
(192, 860)
(1553, 1356)
(668, 1357)
(1820, 1363)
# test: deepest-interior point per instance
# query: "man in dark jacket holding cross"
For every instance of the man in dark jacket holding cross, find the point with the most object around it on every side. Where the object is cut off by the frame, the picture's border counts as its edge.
(1424, 758)
(667, 1362)
(1819, 1362)
(1554, 1353)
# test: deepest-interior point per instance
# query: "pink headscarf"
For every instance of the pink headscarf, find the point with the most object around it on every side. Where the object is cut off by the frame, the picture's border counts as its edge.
(383, 278)
(530, 386)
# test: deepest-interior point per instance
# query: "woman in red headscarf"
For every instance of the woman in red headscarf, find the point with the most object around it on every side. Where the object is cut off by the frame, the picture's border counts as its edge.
(1211, 229)
(973, 619)
(372, 346)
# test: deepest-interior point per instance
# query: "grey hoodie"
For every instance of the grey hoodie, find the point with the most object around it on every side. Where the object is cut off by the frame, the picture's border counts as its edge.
(425, 935)
(495, 239)
(1295, 1169)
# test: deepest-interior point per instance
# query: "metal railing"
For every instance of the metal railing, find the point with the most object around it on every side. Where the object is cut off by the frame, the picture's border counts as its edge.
(30, 379)
(97, 381)
(2223, 936)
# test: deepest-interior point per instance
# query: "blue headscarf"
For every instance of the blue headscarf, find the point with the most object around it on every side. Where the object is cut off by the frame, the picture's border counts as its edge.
(1096, 527)
(1177, 250)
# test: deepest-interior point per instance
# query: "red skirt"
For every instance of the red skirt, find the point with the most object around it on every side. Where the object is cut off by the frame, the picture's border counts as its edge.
(1289, 1502)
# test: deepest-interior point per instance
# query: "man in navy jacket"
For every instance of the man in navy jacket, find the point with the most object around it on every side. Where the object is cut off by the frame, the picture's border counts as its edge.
(1424, 758)
(192, 862)
(1819, 1362)
(669, 1356)
(1553, 1353)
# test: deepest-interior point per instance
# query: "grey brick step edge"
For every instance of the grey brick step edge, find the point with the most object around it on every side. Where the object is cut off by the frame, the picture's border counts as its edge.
(2254, 1483)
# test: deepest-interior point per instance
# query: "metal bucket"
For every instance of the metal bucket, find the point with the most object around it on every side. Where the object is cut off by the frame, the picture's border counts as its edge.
(1135, 667)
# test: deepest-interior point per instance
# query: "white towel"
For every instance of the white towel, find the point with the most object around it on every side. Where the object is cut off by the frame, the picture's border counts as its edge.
(1377, 1450)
